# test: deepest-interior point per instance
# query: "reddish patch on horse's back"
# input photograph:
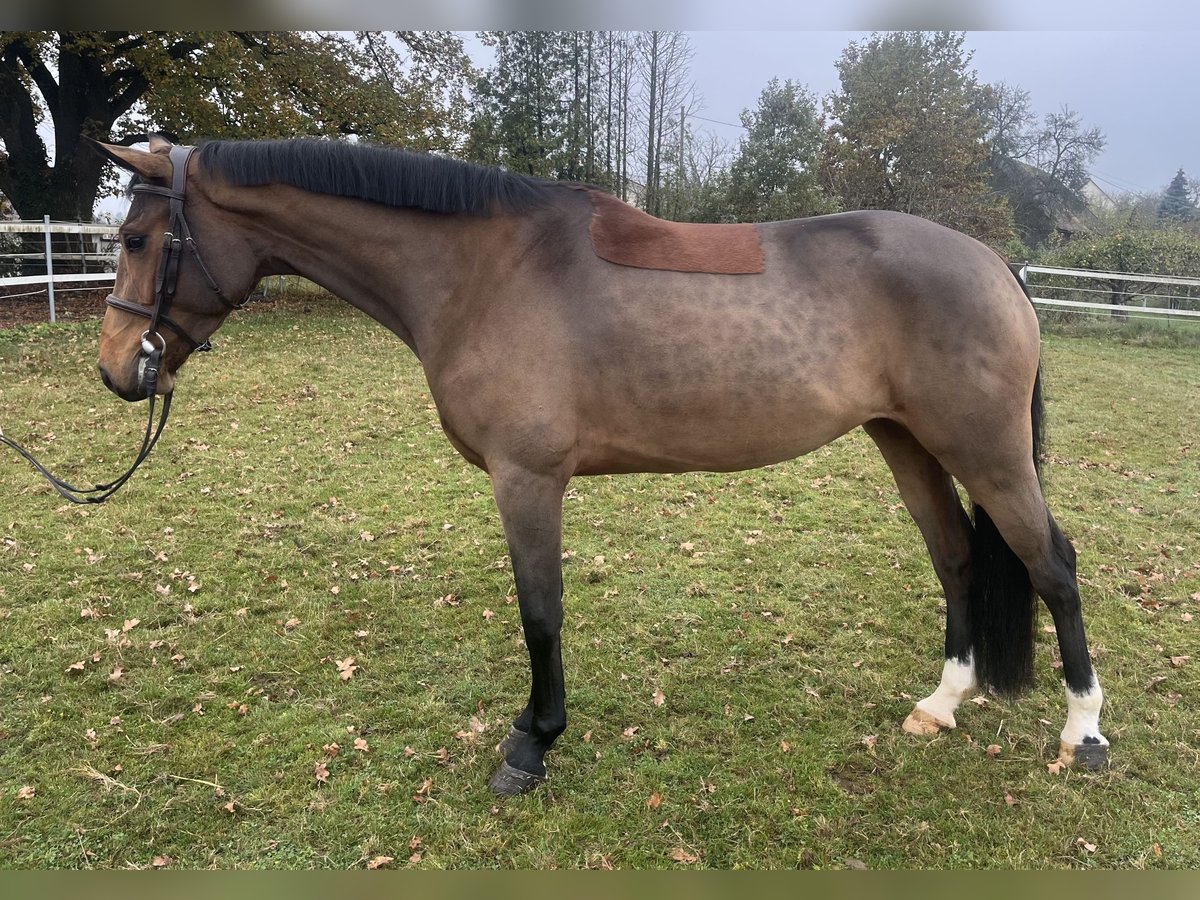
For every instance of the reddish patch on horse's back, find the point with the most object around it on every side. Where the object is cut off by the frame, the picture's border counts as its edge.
(627, 236)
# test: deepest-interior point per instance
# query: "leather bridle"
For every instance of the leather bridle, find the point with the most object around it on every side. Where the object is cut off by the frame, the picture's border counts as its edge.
(177, 236)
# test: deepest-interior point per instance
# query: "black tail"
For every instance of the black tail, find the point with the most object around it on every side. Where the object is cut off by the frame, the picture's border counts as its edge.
(1001, 601)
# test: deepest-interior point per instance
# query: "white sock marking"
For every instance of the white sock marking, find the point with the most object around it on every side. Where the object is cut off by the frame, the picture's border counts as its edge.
(958, 682)
(1083, 716)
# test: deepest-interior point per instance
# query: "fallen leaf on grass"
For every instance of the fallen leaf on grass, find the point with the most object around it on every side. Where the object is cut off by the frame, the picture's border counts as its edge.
(993, 750)
(74, 667)
(346, 668)
(26, 792)
(161, 862)
(659, 697)
(654, 801)
(488, 615)
(1179, 661)
(1055, 767)
(380, 862)
(115, 675)
(332, 750)
(682, 856)
(320, 772)
(422, 795)
(1009, 799)
(631, 731)
(1090, 848)
(361, 745)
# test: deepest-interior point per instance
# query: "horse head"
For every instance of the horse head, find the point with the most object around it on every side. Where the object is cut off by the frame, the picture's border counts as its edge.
(181, 271)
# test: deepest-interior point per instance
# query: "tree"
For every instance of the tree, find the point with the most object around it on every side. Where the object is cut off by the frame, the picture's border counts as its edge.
(703, 191)
(117, 86)
(1135, 250)
(907, 133)
(1011, 125)
(1039, 170)
(776, 172)
(1065, 148)
(1176, 206)
(522, 117)
(665, 56)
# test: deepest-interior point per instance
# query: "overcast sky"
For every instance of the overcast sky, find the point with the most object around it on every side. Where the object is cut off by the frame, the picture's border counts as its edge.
(1140, 88)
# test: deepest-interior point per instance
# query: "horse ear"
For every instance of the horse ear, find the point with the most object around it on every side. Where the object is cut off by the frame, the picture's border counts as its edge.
(159, 144)
(148, 165)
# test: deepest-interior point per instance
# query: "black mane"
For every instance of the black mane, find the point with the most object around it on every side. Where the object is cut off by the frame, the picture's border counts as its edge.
(370, 172)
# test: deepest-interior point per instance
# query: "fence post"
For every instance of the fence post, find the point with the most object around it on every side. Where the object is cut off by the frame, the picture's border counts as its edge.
(49, 268)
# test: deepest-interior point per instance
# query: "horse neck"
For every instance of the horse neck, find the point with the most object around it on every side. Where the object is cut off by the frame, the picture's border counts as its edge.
(399, 266)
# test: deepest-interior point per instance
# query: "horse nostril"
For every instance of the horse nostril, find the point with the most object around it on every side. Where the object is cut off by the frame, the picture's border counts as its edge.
(104, 377)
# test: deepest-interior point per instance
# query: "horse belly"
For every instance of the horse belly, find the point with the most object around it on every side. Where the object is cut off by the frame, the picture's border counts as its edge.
(717, 426)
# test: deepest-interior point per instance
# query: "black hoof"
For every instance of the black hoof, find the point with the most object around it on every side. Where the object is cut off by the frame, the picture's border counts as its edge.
(1088, 755)
(511, 741)
(511, 782)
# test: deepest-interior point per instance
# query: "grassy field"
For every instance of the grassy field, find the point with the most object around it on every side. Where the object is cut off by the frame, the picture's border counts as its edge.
(740, 649)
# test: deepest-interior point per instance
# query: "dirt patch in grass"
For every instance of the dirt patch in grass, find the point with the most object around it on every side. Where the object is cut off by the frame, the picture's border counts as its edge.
(25, 305)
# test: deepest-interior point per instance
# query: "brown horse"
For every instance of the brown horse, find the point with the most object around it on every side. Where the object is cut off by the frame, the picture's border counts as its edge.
(547, 360)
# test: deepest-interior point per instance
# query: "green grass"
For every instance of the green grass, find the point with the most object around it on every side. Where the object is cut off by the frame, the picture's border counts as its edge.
(788, 617)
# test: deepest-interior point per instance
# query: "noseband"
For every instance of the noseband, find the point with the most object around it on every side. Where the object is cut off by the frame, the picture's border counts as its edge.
(177, 235)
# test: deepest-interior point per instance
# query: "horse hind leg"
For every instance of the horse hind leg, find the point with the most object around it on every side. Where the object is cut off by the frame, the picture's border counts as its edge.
(1010, 505)
(929, 494)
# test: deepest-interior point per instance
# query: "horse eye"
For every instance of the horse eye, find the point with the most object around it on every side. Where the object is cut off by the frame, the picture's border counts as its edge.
(134, 242)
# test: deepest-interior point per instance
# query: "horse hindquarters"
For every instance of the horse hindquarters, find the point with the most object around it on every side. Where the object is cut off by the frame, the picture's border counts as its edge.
(1016, 550)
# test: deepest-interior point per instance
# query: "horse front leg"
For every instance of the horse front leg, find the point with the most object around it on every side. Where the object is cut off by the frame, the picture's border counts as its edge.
(531, 510)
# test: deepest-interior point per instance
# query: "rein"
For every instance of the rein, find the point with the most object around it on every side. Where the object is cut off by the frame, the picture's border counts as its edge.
(100, 492)
(165, 284)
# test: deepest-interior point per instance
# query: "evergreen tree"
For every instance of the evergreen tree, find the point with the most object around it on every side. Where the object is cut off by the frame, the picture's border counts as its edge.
(1176, 205)
(523, 116)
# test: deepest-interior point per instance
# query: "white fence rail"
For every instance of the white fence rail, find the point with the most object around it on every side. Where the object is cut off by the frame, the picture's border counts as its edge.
(97, 249)
(1150, 296)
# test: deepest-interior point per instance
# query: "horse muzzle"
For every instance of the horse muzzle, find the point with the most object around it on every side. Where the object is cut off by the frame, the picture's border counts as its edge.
(133, 394)
(148, 374)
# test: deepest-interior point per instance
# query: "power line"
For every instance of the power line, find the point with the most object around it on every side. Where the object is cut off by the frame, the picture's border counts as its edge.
(716, 121)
